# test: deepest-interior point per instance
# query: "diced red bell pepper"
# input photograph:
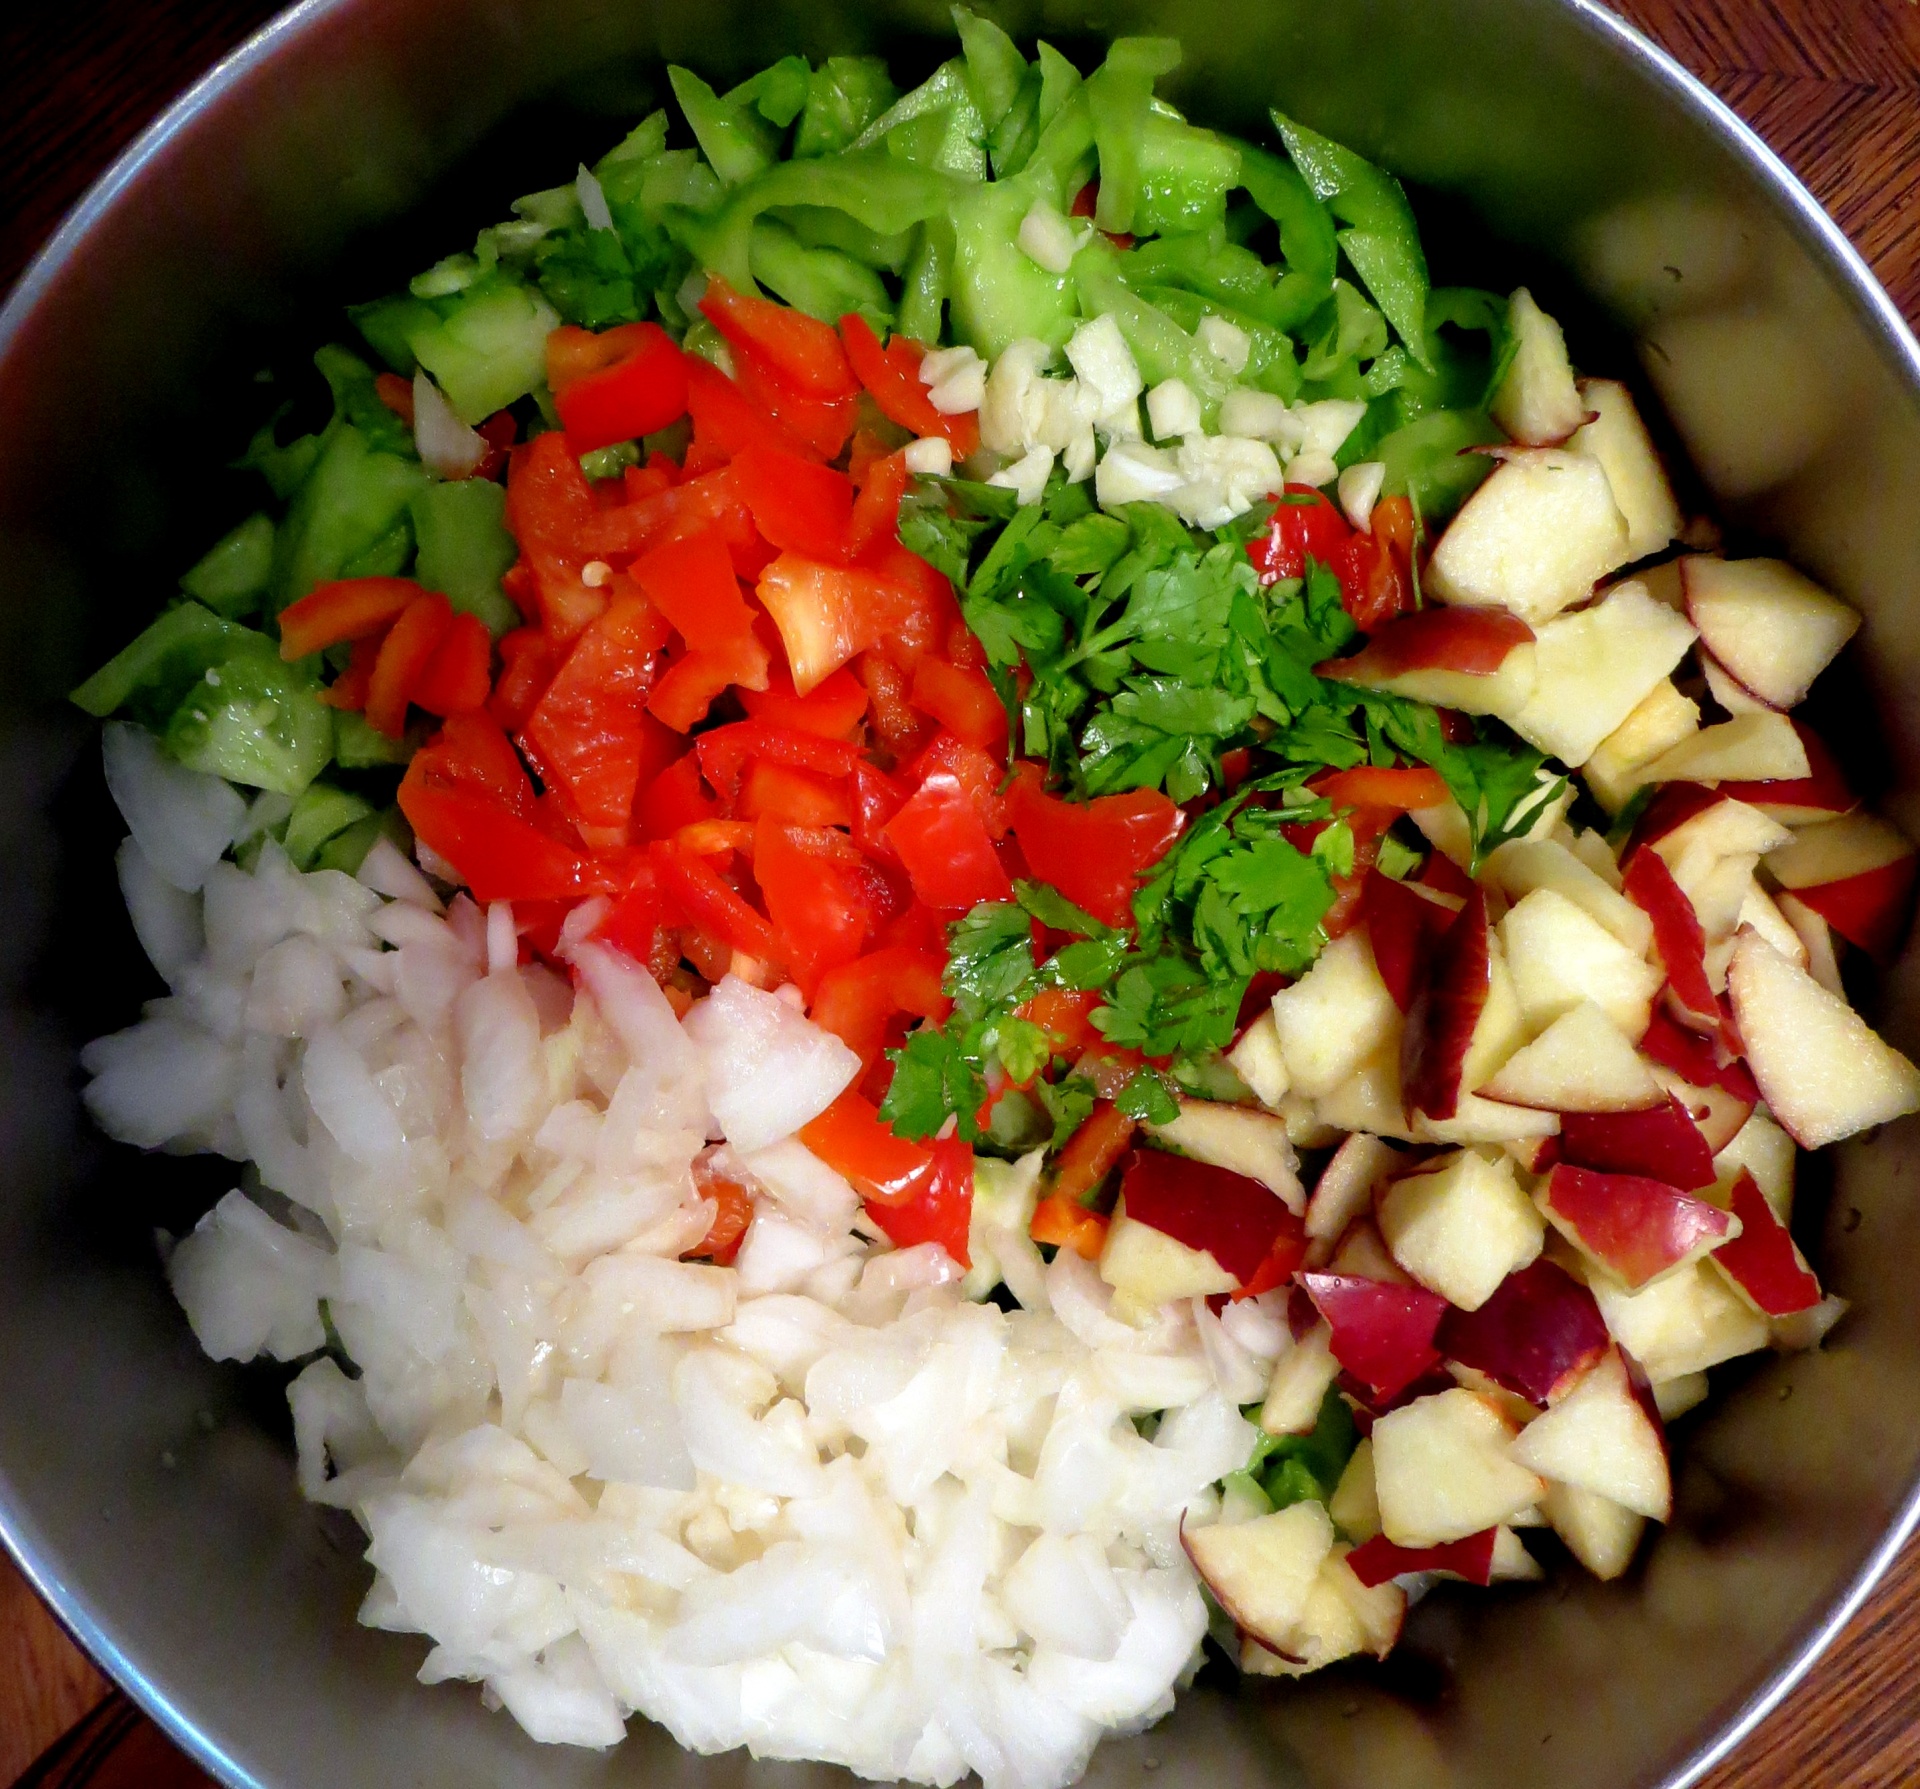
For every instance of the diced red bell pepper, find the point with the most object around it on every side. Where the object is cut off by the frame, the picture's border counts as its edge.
(466, 794)
(827, 614)
(499, 432)
(690, 684)
(349, 609)
(1065, 1015)
(726, 752)
(876, 511)
(1095, 851)
(725, 420)
(1304, 525)
(632, 923)
(696, 893)
(794, 797)
(900, 727)
(892, 378)
(617, 385)
(929, 622)
(528, 660)
(946, 848)
(1064, 1224)
(396, 393)
(733, 1212)
(883, 1168)
(1399, 791)
(832, 708)
(675, 798)
(548, 502)
(799, 505)
(941, 1210)
(963, 702)
(405, 654)
(856, 1000)
(458, 676)
(349, 689)
(977, 773)
(819, 426)
(591, 734)
(817, 911)
(653, 518)
(1093, 1151)
(691, 583)
(800, 349)
(1375, 569)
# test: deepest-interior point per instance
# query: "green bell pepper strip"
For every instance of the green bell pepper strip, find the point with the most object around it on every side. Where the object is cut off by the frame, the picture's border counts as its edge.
(995, 67)
(927, 280)
(1010, 143)
(820, 281)
(357, 400)
(232, 576)
(148, 676)
(321, 812)
(647, 139)
(1271, 365)
(878, 192)
(349, 509)
(844, 96)
(999, 293)
(347, 850)
(1428, 460)
(1211, 267)
(490, 348)
(821, 226)
(357, 745)
(1059, 82)
(735, 140)
(1120, 93)
(1307, 239)
(1382, 241)
(778, 92)
(1184, 177)
(1351, 331)
(255, 720)
(464, 548)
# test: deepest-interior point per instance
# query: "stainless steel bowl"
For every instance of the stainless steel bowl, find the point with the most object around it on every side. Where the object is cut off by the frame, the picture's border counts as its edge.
(150, 1496)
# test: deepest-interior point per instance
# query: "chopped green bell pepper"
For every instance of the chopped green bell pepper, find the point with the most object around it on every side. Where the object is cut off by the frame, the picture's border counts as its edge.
(464, 548)
(256, 720)
(321, 812)
(232, 576)
(844, 95)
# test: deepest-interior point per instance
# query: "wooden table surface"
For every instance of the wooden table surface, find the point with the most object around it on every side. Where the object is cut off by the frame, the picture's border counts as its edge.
(1833, 85)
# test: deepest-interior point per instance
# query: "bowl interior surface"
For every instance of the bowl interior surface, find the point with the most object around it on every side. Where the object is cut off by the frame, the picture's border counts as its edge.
(151, 1494)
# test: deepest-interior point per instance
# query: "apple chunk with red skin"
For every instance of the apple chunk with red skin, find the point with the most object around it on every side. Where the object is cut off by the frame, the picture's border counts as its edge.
(1679, 942)
(1446, 1012)
(1470, 1560)
(1381, 1333)
(1404, 924)
(1857, 872)
(1476, 660)
(1822, 1070)
(1662, 1144)
(1539, 1331)
(1639, 1230)
(1822, 794)
(1262, 1572)
(1604, 1436)
(1762, 1260)
(1773, 629)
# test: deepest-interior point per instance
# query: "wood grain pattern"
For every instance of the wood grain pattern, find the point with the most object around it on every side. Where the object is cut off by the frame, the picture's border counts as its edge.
(1834, 87)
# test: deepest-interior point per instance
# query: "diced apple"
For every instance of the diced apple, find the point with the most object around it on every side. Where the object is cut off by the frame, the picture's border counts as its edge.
(1822, 794)
(1345, 1187)
(1762, 912)
(1665, 584)
(1716, 1110)
(1445, 827)
(1750, 748)
(1675, 1397)
(1821, 1069)
(1773, 629)
(1404, 921)
(1471, 1560)
(1489, 1122)
(1560, 956)
(1260, 1062)
(1582, 1062)
(1369, 1098)
(1382, 1334)
(1662, 1143)
(1473, 660)
(1822, 955)
(1603, 1437)
(1538, 403)
(1592, 849)
(1806, 1330)
(1618, 439)
(1762, 1261)
(1593, 668)
(1262, 1572)
(1512, 1563)
(1533, 1154)
(1516, 1408)
(1232, 1217)
(1461, 1227)
(1334, 1016)
(1718, 830)
(1253, 1144)
(1679, 942)
(1601, 1534)
(1538, 1332)
(1639, 1230)
(1727, 689)
(1355, 1505)
(1683, 1324)
(1617, 766)
(1342, 1617)
(1534, 538)
(1465, 1022)
(1299, 1385)
(1856, 872)
(1361, 1254)
(1443, 1471)
(1147, 1268)
(1761, 1148)
(1520, 866)
(1305, 1128)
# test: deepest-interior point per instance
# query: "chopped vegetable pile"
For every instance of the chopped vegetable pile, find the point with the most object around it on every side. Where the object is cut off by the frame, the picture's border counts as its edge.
(1050, 592)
